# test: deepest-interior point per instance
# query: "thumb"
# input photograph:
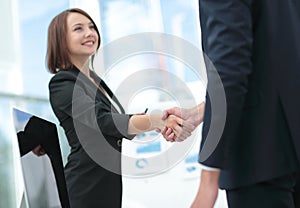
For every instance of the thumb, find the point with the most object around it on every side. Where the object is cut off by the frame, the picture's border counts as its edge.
(165, 114)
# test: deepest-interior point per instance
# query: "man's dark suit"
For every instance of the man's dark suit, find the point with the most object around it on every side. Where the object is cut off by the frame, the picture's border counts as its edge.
(94, 129)
(255, 47)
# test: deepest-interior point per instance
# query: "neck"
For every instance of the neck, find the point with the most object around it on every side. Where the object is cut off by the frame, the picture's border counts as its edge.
(82, 65)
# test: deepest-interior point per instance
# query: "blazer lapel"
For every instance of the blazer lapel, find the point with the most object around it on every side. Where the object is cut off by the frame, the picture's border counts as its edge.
(100, 82)
(92, 87)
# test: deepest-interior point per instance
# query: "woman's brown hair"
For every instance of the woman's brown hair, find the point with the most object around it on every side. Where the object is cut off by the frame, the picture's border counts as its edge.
(57, 56)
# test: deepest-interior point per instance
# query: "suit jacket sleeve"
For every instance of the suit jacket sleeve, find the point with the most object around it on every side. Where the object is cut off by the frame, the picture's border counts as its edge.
(29, 138)
(227, 41)
(74, 101)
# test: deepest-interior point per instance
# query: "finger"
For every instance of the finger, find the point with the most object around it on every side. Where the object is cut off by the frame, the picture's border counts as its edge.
(177, 112)
(181, 134)
(186, 132)
(164, 133)
(180, 131)
(185, 129)
(165, 115)
(172, 111)
(179, 121)
(42, 151)
(157, 130)
(187, 126)
(39, 151)
(36, 150)
(180, 139)
(164, 130)
(171, 137)
(169, 131)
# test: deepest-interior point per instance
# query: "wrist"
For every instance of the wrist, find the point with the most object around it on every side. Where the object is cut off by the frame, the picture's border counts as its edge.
(210, 177)
(199, 113)
(156, 121)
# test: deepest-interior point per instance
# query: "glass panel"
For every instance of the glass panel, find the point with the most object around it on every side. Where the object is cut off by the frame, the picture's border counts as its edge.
(33, 38)
(31, 20)
(11, 179)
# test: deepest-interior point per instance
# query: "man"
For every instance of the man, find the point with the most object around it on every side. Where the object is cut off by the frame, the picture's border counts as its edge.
(254, 45)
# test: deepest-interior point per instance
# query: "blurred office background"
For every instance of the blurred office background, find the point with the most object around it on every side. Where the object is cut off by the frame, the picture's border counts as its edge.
(24, 84)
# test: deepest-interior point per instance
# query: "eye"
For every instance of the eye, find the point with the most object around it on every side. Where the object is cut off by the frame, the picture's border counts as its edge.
(77, 28)
(92, 26)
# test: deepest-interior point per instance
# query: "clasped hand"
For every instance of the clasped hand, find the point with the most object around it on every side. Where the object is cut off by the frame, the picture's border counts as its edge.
(181, 122)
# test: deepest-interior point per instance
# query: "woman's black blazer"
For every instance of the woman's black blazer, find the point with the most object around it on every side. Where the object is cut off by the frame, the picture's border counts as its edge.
(94, 129)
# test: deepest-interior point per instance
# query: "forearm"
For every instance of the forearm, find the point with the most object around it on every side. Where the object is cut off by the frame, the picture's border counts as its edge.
(143, 123)
(208, 189)
(210, 184)
(196, 113)
(210, 177)
(200, 112)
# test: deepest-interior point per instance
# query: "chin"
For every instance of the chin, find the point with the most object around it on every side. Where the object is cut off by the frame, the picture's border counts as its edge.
(91, 53)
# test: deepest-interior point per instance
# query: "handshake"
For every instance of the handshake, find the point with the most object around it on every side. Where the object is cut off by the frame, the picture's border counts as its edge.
(179, 123)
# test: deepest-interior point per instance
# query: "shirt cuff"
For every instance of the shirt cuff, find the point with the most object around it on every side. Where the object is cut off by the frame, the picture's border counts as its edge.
(204, 167)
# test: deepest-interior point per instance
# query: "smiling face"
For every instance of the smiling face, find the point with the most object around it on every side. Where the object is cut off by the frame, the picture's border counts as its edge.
(82, 38)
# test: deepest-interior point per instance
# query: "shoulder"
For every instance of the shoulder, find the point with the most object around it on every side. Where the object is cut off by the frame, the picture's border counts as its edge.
(64, 75)
(61, 84)
(61, 88)
(61, 77)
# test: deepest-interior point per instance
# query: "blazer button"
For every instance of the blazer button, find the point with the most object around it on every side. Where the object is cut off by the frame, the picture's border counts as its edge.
(119, 142)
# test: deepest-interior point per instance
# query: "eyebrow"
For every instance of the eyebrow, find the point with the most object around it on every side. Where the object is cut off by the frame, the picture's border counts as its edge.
(80, 24)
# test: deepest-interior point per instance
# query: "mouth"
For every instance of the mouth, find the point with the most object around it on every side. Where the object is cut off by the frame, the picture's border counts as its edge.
(88, 43)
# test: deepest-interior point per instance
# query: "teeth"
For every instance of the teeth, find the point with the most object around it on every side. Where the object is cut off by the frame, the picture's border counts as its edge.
(89, 43)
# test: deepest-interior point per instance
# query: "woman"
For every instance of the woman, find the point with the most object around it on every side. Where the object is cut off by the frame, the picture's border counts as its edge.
(91, 116)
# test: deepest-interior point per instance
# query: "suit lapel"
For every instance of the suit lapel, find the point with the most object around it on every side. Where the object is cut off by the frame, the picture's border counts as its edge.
(101, 83)
(92, 88)
(111, 95)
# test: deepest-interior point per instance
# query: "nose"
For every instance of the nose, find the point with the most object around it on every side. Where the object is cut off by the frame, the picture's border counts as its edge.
(90, 33)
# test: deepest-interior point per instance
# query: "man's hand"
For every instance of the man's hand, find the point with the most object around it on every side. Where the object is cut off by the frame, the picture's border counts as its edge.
(179, 127)
(39, 151)
(192, 116)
